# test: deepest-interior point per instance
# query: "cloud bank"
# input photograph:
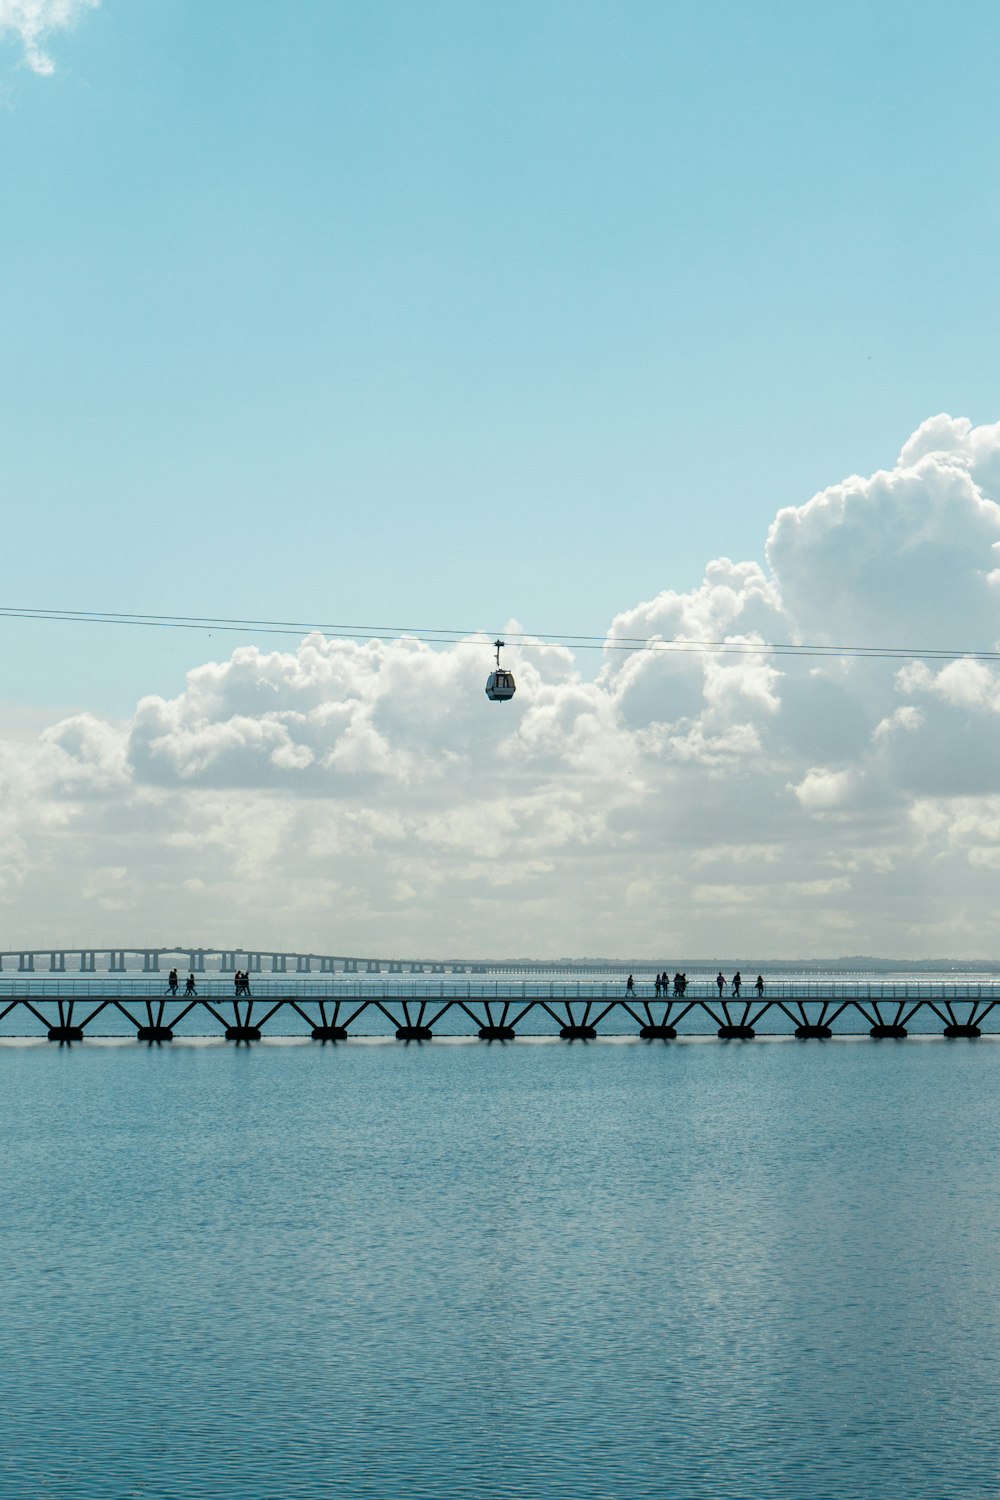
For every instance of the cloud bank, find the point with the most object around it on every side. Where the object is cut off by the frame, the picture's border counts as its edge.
(353, 797)
(33, 21)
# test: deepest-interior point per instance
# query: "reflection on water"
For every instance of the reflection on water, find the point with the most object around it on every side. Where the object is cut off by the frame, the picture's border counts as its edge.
(534, 1270)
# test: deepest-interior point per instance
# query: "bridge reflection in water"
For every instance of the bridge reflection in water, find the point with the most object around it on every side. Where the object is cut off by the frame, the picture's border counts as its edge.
(68, 1009)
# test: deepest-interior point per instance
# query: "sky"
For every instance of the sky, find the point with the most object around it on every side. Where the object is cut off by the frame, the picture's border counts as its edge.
(571, 319)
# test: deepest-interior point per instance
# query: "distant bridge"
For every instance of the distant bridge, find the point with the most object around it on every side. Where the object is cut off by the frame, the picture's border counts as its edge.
(196, 960)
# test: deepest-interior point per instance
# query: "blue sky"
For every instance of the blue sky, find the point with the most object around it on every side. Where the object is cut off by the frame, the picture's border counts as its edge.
(635, 318)
(443, 313)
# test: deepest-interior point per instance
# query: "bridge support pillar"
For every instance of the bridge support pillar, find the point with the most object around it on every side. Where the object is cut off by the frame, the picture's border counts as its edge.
(329, 1033)
(327, 965)
(57, 963)
(278, 963)
(497, 1034)
(881, 1033)
(155, 1034)
(414, 1034)
(88, 963)
(253, 963)
(197, 958)
(150, 962)
(578, 1033)
(303, 964)
(373, 966)
(658, 1033)
(736, 1033)
(26, 963)
(65, 1033)
(350, 966)
(116, 961)
(242, 1033)
(959, 1030)
(820, 1033)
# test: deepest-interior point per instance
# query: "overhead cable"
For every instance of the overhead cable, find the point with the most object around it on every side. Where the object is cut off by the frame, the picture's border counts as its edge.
(438, 636)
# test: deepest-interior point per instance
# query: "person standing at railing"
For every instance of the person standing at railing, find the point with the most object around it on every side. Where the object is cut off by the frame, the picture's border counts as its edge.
(172, 982)
(759, 986)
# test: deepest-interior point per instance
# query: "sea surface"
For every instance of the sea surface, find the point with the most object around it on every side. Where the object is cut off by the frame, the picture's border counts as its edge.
(459, 1271)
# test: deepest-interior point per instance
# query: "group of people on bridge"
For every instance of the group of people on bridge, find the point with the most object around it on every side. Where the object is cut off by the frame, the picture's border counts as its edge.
(190, 987)
(737, 986)
(662, 986)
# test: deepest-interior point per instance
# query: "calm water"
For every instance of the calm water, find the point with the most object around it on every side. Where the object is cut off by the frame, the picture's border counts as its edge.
(597, 1272)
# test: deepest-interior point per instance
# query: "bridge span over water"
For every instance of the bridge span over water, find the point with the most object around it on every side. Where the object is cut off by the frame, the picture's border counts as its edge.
(146, 960)
(335, 1009)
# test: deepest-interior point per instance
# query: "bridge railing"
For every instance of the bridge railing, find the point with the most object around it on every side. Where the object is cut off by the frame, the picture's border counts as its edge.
(57, 986)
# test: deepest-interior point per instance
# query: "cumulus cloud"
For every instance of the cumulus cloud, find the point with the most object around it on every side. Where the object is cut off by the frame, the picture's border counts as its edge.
(33, 21)
(353, 797)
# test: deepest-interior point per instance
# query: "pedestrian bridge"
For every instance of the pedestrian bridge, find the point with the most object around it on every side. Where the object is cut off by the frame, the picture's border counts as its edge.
(66, 1009)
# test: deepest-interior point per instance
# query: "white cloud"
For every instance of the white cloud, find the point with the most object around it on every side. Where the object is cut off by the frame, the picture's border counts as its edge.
(366, 797)
(33, 21)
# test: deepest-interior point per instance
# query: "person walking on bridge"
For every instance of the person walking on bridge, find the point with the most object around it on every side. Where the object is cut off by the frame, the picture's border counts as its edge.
(630, 985)
(190, 988)
(172, 982)
(720, 980)
(737, 983)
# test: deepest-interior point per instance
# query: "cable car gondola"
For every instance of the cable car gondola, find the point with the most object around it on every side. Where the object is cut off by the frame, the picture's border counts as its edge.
(500, 684)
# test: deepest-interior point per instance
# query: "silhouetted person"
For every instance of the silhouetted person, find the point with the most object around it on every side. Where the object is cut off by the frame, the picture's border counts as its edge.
(659, 985)
(190, 988)
(720, 980)
(237, 984)
(684, 984)
(172, 982)
(759, 985)
(737, 982)
(678, 988)
(245, 983)
(630, 985)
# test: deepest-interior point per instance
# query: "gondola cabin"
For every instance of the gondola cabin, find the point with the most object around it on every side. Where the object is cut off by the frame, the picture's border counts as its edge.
(500, 684)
